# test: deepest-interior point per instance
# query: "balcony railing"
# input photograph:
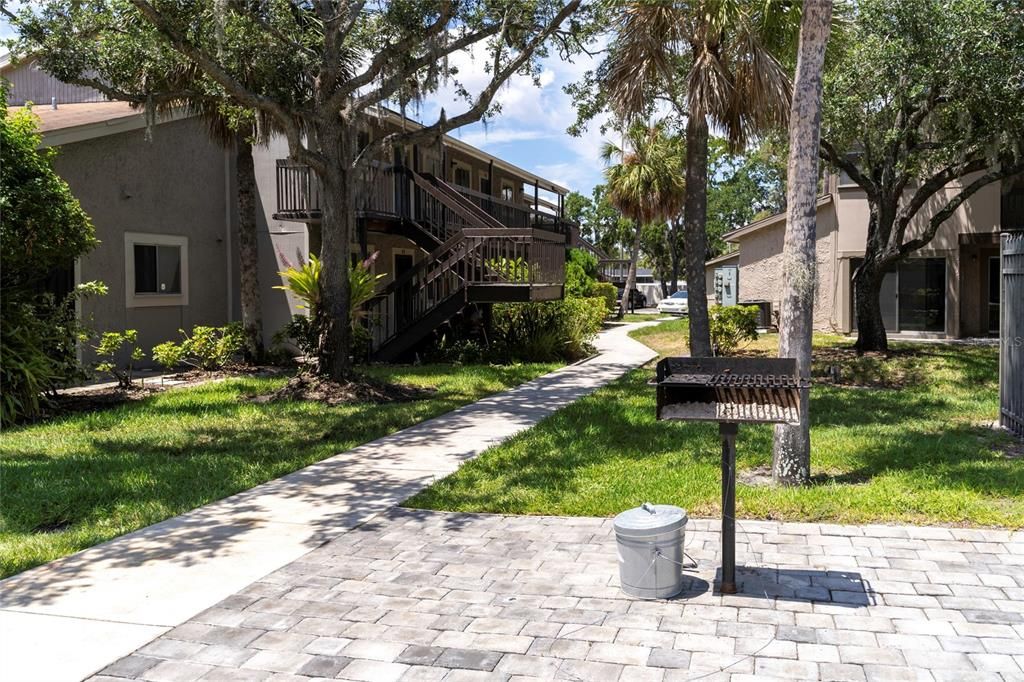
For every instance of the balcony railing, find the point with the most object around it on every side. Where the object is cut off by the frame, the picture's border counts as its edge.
(299, 196)
(398, 192)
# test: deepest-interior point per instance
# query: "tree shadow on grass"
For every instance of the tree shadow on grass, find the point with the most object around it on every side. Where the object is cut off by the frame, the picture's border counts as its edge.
(599, 448)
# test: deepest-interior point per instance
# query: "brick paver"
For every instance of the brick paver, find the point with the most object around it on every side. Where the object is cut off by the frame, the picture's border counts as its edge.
(418, 595)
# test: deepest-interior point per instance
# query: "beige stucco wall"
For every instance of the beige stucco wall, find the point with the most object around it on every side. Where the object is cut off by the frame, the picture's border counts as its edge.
(979, 214)
(761, 265)
(174, 184)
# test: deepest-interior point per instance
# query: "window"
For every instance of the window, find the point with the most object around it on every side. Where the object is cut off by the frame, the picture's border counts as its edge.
(461, 176)
(508, 192)
(156, 270)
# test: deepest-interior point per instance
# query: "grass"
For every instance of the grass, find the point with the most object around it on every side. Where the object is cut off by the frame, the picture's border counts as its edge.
(919, 454)
(86, 478)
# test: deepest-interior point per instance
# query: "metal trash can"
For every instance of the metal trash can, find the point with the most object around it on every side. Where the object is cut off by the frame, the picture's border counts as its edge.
(650, 541)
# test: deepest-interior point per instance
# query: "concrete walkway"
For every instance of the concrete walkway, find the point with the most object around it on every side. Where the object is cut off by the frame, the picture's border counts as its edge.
(420, 595)
(72, 617)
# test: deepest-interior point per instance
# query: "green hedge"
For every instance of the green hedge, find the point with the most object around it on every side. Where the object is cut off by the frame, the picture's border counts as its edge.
(540, 332)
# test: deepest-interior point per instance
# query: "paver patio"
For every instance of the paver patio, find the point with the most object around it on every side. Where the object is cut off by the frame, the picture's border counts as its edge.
(417, 595)
(69, 618)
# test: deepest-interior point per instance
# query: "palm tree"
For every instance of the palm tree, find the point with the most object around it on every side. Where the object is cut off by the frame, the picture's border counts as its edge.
(646, 185)
(712, 60)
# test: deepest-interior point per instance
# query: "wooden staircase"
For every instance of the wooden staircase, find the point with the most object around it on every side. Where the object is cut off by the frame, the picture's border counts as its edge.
(472, 257)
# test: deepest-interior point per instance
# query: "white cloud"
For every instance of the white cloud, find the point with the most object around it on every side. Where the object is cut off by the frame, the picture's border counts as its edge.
(530, 112)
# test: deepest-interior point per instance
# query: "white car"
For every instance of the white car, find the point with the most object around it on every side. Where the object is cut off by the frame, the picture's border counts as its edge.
(676, 304)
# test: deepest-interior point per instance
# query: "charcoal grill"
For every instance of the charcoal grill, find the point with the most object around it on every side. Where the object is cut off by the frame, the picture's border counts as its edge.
(731, 391)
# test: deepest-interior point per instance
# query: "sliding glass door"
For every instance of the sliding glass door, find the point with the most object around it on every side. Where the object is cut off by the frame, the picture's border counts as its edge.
(913, 296)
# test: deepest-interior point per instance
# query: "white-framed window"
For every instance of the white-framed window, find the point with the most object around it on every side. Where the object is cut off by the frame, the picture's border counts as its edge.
(156, 270)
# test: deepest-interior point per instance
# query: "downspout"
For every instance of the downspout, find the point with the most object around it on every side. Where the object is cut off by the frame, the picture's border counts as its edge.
(227, 234)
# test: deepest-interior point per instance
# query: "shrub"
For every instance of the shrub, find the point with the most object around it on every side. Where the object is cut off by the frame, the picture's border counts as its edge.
(207, 348)
(458, 351)
(539, 332)
(43, 229)
(580, 273)
(732, 326)
(123, 344)
(607, 292)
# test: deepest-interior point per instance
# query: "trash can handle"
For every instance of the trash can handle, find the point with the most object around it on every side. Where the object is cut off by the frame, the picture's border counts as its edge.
(649, 508)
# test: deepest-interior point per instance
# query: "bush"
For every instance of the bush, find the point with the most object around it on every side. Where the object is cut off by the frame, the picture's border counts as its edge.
(541, 332)
(732, 326)
(458, 351)
(580, 273)
(607, 292)
(43, 229)
(207, 348)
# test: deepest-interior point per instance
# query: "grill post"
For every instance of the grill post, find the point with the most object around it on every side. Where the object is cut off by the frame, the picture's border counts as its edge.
(728, 432)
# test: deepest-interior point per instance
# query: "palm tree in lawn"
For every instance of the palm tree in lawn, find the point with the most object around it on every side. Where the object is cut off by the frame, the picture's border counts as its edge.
(646, 184)
(710, 60)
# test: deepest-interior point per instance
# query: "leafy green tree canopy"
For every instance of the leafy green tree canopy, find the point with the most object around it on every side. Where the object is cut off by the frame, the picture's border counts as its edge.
(43, 225)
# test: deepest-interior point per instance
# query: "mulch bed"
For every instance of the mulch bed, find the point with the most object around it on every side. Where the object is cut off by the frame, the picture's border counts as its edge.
(359, 390)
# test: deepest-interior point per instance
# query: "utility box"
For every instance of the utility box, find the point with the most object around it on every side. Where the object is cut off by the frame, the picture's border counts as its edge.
(650, 541)
(727, 285)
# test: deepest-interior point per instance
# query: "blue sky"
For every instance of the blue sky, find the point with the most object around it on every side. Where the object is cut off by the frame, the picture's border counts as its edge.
(530, 130)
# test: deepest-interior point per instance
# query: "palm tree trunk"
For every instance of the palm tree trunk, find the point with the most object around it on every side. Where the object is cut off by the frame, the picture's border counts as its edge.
(634, 256)
(791, 456)
(695, 217)
(248, 251)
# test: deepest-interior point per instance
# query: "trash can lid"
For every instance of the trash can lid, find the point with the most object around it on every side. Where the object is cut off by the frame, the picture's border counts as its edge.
(650, 519)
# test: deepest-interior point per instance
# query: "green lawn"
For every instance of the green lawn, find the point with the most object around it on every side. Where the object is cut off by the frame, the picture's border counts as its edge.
(77, 481)
(921, 453)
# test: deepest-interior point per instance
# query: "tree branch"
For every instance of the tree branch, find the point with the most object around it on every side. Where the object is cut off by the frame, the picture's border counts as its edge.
(484, 99)
(928, 189)
(388, 88)
(233, 86)
(828, 153)
(390, 53)
(950, 208)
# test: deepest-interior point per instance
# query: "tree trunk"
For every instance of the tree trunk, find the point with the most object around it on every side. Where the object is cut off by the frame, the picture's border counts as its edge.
(696, 210)
(314, 238)
(867, 287)
(337, 228)
(791, 456)
(248, 252)
(674, 254)
(634, 255)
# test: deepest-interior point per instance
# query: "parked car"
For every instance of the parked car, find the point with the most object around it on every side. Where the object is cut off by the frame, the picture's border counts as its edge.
(636, 298)
(676, 304)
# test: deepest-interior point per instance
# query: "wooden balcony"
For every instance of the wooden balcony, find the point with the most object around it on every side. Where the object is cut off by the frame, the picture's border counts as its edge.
(299, 197)
(392, 193)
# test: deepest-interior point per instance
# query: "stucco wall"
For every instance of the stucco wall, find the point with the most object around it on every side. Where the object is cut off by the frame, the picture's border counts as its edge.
(173, 185)
(979, 214)
(761, 266)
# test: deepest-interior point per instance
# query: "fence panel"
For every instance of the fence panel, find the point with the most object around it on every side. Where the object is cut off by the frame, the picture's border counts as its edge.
(1011, 334)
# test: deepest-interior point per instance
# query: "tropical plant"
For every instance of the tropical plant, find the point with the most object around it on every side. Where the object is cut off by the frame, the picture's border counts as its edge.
(732, 326)
(303, 282)
(119, 351)
(709, 60)
(646, 184)
(515, 270)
